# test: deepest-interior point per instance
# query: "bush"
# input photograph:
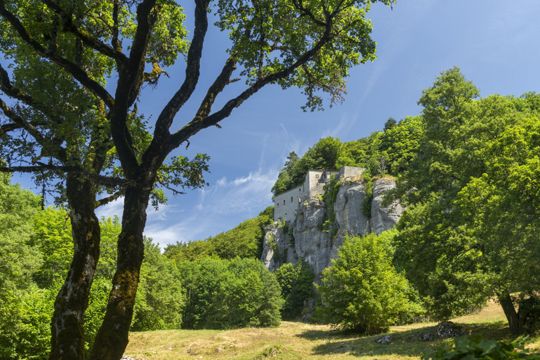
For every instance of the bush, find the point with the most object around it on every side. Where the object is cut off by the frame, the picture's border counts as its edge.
(296, 283)
(362, 291)
(161, 298)
(25, 324)
(478, 348)
(229, 294)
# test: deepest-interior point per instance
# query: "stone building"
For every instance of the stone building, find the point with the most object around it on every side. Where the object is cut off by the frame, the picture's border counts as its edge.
(286, 204)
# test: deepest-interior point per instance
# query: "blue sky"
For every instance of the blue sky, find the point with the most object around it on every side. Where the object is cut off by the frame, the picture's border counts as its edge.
(495, 43)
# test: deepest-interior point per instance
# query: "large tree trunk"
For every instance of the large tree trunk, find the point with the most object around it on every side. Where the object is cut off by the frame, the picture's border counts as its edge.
(67, 340)
(511, 314)
(112, 337)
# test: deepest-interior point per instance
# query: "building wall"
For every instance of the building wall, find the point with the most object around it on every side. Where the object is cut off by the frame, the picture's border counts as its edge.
(286, 204)
(314, 182)
(350, 173)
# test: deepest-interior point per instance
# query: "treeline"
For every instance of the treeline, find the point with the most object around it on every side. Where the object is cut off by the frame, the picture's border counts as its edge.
(244, 241)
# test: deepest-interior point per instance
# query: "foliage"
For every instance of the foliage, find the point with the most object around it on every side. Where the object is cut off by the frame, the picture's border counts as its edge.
(362, 291)
(229, 294)
(296, 282)
(36, 248)
(470, 347)
(321, 156)
(385, 152)
(161, 299)
(331, 190)
(244, 241)
(468, 233)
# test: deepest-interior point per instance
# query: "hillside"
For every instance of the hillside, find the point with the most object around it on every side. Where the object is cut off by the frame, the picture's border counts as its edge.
(294, 340)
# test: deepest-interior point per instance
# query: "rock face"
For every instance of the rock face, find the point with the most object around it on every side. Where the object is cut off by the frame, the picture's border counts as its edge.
(309, 238)
(384, 216)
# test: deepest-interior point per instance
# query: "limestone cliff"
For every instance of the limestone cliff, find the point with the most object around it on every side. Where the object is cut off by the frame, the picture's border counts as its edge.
(311, 238)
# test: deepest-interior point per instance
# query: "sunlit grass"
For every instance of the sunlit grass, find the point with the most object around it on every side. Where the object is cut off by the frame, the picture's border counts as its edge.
(293, 340)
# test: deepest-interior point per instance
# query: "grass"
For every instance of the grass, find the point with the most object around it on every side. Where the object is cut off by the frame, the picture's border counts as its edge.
(293, 340)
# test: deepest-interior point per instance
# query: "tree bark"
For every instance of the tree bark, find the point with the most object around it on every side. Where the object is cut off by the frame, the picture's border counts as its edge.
(511, 314)
(67, 334)
(112, 337)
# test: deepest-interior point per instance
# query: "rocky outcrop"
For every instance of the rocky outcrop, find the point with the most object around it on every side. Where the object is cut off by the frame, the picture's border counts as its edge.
(349, 213)
(309, 238)
(311, 242)
(384, 215)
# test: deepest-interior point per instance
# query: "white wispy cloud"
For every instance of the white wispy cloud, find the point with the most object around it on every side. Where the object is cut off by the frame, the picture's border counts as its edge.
(225, 201)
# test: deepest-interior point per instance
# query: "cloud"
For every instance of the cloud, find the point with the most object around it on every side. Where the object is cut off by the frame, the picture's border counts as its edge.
(114, 208)
(218, 209)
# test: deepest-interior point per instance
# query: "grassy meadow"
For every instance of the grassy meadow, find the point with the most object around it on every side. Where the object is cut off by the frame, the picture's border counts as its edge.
(294, 340)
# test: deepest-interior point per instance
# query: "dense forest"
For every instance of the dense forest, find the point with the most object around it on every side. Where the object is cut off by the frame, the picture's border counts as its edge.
(468, 172)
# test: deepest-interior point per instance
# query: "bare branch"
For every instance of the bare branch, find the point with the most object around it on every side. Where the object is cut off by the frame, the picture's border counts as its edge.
(215, 89)
(185, 91)
(78, 73)
(85, 37)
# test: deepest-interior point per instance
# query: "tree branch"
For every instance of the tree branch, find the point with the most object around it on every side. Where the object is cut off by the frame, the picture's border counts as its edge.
(306, 12)
(85, 37)
(215, 89)
(115, 30)
(78, 73)
(35, 168)
(8, 127)
(108, 199)
(195, 125)
(7, 87)
(185, 91)
(43, 140)
(129, 84)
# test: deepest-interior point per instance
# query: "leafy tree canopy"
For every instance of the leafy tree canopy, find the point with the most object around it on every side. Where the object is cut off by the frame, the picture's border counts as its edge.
(472, 215)
(362, 291)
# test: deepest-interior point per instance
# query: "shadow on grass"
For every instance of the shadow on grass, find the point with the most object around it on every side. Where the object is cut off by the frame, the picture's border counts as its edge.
(403, 342)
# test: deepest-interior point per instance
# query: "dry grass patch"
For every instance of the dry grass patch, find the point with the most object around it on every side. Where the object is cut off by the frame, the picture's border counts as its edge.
(296, 341)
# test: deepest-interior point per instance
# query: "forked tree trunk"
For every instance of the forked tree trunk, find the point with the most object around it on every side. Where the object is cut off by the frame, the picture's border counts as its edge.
(112, 337)
(67, 335)
(514, 323)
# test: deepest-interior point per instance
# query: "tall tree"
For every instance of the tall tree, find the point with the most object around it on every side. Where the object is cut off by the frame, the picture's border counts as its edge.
(472, 208)
(288, 42)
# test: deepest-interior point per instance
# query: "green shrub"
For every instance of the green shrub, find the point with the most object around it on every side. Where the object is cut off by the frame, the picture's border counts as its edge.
(296, 283)
(478, 348)
(25, 324)
(229, 294)
(161, 298)
(362, 291)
